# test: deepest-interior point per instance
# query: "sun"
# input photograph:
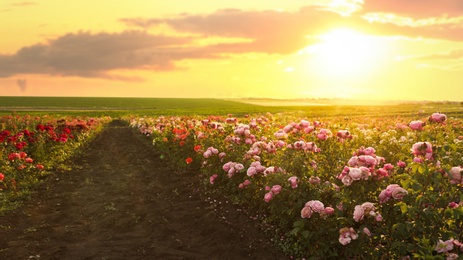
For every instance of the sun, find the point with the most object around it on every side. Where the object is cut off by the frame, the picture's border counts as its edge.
(345, 52)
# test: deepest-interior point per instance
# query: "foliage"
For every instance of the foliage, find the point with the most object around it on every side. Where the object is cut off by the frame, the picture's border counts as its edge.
(32, 147)
(367, 187)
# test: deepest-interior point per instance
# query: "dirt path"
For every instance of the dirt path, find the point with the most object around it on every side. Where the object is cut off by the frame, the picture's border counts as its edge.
(121, 202)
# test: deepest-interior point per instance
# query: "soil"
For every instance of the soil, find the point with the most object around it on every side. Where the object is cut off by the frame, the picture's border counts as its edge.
(121, 201)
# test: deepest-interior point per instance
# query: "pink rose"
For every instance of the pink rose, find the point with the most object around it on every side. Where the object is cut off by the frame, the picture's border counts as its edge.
(281, 134)
(268, 196)
(314, 180)
(353, 161)
(455, 175)
(306, 212)
(316, 205)
(369, 151)
(239, 167)
(383, 197)
(343, 134)
(401, 164)
(344, 239)
(444, 246)
(421, 148)
(347, 180)
(437, 118)
(293, 181)
(226, 167)
(417, 125)
(251, 171)
(359, 212)
(212, 178)
(355, 174)
(398, 193)
(328, 211)
(276, 189)
(366, 231)
(346, 235)
(390, 188)
(222, 155)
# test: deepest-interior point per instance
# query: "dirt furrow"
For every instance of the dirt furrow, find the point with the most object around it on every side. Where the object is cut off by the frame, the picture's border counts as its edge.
(122, 202)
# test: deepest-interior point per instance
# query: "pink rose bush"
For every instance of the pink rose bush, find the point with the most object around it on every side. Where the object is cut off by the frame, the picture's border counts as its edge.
(366, 209)
(455, 175)
(232, 167)
(437, 118)
(417, 125)
(422, 149)
(393, 191)
(346, 235)
(363, 166)
(33, 146)
(386, 177)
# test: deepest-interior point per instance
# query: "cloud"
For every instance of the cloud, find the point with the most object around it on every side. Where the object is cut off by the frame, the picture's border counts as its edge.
(22, 84)
(453, 60)
(94, 55)
(285, 32)
(86, 54)
(452, 55)
(271, 31)
(415, 8)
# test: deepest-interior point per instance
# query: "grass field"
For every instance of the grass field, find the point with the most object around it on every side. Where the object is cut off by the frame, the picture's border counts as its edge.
(117, 107)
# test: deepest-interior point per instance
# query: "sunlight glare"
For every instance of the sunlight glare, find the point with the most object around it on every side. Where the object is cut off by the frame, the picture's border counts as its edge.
(345, 52)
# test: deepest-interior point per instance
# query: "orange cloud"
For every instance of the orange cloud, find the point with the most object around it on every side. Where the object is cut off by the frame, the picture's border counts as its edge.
(93, 55)
(415, 8)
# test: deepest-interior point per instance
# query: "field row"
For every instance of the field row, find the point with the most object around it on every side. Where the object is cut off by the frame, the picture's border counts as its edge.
(371, 187)
(33, 147)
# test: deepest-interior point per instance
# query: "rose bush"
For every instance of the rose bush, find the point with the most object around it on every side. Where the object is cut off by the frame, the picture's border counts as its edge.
(380, 188)
(30, 147)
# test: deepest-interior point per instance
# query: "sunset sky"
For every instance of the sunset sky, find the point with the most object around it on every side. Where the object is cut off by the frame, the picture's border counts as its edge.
(370, 49)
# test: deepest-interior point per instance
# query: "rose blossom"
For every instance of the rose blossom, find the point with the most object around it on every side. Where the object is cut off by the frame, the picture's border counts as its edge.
(314, 180)
(347, 180)
(328, 211)
(346, 235)
(306, 212)
(392, 191)
(438, 118)
(423, 149)
(455, 175)
(268, 196)
(444, 246)
(359, 212)
(276, 189)
(293, 181)
(417, 125)
(316, 205)
(398, 193)
(212, 178)
(355, 174)
(366, 231)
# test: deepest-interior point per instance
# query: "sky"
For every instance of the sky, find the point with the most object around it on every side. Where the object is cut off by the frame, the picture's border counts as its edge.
(353, 49)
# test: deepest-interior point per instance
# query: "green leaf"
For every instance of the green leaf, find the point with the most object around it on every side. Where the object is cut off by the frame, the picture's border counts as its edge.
(417, 187)
(403, 207)
(305, 234)
(422, 169)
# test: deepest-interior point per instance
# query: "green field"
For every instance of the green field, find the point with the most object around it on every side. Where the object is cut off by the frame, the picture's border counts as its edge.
(117, 107)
